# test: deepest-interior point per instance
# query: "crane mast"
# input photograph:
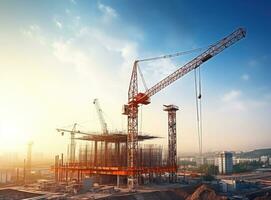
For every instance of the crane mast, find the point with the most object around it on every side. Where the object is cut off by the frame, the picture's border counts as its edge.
(72, 144)
(135, 98)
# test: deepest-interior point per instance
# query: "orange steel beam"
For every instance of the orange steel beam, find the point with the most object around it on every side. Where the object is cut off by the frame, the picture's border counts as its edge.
(124, 171)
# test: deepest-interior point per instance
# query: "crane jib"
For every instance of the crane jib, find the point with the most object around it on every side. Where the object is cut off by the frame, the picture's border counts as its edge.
(207, 57)
(209, 53)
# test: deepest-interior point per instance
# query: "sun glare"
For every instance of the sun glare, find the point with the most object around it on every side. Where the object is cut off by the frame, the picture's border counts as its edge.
(12, 135)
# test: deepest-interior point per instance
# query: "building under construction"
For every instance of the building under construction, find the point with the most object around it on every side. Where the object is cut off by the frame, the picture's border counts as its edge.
(104, 158)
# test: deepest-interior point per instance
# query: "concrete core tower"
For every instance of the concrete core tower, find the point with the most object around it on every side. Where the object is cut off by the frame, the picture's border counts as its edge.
(172, 147)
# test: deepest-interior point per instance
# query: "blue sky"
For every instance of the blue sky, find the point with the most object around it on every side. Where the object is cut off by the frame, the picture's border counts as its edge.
(57, 55)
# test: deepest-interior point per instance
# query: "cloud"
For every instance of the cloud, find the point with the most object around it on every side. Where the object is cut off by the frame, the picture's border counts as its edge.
(67, 53)
(268, 96)
(90, 48)
(253, 62)
(98, 58)
(73, 1)
(108, 12)
(58, 24)
(124, 49)
(34, 32)
(245, 77)
(100, 61)
(234, 100)
(157, 70)
(231, 95)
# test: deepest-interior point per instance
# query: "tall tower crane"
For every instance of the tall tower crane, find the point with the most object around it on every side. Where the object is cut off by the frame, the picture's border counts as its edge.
(101, 117)
(72, 142)
(136, 98)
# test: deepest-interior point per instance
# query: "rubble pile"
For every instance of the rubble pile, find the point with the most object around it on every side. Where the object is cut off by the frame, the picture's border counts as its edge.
(205, 193)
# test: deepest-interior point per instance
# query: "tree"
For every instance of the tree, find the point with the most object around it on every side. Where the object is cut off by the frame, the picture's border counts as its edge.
(208, 169)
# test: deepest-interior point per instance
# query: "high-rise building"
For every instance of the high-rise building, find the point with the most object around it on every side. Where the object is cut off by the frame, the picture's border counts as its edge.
(225, 162)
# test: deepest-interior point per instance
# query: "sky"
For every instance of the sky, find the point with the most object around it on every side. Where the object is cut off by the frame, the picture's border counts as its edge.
(57, 56)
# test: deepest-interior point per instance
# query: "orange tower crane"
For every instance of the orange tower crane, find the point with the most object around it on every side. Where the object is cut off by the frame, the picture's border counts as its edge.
(136, 98)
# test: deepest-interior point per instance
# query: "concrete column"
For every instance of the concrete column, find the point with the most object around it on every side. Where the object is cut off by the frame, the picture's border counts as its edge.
(117, 153)
(67, 173)
(118, 181)
(106, 154)
(95, 153)
(56, 168)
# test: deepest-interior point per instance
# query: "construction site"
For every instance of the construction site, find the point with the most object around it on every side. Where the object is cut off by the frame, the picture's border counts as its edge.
(122, 159)
(130, 164)
(135, 100)
(126, 164)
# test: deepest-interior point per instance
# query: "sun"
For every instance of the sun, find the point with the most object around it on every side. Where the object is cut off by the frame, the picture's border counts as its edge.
(12, 135)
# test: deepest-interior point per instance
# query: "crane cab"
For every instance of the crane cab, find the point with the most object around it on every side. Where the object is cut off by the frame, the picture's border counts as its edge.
(142, 98)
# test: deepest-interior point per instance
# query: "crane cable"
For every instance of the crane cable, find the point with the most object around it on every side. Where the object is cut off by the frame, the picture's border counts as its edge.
(142, 77)
(198, 96)
(172, 55)
(197, 107)
(168, 56)
(200, 111)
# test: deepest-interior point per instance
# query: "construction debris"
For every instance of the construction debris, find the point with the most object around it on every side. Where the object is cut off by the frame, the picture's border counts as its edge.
(205, 193)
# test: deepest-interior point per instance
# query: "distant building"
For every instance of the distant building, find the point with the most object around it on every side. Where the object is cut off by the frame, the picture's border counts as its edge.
(210, 161)
(225, 163)
(189, 159)
(244, 160)
(200, 161)
(230, 185)
(264, 159)
(234, 160)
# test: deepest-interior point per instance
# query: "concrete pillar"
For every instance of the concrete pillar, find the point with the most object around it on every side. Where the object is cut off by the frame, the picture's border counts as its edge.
(67, 174)
(106, 154)
(56, 168)
(118, 181)
(95, 153)
(117, 153)
(61, 164)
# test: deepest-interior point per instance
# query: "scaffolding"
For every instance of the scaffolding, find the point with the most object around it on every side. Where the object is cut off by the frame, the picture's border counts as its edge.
(104, 157)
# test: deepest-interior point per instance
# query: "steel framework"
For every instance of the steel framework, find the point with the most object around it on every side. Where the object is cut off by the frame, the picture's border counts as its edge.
(105, 155)
(172, 138)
